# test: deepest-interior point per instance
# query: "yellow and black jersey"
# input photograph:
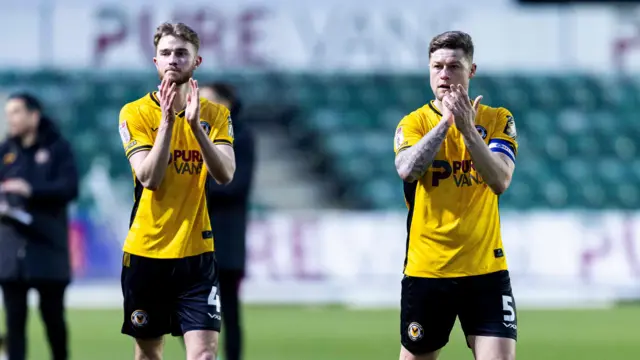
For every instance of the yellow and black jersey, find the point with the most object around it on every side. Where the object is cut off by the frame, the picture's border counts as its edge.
(454, 224)
(172, 221)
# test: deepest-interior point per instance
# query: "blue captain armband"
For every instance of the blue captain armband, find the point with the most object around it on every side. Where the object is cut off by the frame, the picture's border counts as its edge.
(504, 147)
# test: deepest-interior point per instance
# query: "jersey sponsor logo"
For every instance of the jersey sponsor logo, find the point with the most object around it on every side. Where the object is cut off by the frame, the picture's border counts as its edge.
(139, 318)
(482, 131)
(124, 132)
(230, 129)
(206, 127)
(415, 331)
(510, 128)
(462, 172)
(188, 162)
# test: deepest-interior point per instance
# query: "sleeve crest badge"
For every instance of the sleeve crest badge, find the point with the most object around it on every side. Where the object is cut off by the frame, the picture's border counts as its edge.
(510, 128)
(399, 139)
(124, 133)
(230, 129)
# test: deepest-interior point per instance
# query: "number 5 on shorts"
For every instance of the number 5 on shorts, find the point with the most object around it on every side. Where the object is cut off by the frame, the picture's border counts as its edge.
(214, 298)
(507, 306)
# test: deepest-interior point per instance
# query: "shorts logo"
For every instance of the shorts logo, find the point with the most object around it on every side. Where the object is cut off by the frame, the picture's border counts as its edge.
(415, 331)
(139, 318)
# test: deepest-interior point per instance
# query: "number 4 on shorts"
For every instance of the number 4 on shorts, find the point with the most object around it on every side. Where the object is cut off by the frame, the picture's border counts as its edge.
(507, 306)
(214, 298)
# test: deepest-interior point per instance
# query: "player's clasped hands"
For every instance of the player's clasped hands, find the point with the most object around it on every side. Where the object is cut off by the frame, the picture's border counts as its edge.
(166, 95)
(458, 105)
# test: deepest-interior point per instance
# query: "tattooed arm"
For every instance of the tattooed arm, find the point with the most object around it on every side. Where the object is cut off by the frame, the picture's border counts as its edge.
(412, 163)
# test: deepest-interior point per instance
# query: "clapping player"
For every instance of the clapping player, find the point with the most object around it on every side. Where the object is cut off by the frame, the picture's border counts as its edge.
(455, 157)
(173, 140)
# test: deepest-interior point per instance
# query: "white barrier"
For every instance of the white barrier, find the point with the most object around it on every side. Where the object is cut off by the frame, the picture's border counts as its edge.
(556, 259)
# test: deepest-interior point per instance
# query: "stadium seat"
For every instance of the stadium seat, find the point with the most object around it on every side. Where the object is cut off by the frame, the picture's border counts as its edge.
(577, 133)
(325, 120)
(380, 193)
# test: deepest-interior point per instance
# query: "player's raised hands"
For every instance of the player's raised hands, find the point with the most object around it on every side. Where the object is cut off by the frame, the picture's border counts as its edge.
(457, 101)
(192, 111)
(166, 95)
(447, 114)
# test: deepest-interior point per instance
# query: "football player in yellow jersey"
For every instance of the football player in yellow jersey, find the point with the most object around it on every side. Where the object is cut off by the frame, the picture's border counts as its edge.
(173, 139)
(455, 157)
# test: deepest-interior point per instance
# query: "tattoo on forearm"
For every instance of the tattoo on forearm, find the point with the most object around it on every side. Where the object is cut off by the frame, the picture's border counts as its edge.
(414, 161)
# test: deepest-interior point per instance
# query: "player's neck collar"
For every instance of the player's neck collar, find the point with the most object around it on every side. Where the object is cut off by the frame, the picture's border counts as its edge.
(154, 97)
(432, 106)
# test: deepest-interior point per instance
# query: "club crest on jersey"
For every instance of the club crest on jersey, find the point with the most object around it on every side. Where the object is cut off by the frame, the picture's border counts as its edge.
(139, 318)
(415, 331)
(482, 131)
(510, 128)
(230, 130)
(206, 127)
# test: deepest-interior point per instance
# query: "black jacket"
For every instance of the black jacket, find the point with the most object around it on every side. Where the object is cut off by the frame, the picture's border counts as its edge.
(229, 204)
(39, 251)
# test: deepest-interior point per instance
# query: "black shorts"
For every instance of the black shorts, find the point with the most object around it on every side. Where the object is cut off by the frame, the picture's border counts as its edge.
(170, 296)
(429, 306)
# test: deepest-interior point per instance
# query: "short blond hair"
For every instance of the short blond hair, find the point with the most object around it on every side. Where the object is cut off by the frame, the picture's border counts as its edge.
(179, 30)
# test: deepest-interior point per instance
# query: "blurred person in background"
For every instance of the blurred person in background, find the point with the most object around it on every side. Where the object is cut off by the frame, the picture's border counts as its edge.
(228, 207)
(38, 180)
(455, 157)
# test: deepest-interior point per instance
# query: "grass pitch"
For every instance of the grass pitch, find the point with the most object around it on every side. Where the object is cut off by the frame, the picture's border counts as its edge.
(335, 333)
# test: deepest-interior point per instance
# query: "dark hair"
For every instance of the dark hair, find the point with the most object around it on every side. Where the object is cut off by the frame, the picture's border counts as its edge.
(30, 101)
(452, 40)
(179, 30)
(227, 92)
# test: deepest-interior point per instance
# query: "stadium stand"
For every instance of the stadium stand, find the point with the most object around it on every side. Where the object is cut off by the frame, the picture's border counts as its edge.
(575, 132)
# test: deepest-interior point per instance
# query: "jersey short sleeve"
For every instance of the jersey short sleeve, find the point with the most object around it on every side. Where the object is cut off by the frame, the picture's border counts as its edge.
(133, 132)
(503, 139)
(408, 132)
(224, 128)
